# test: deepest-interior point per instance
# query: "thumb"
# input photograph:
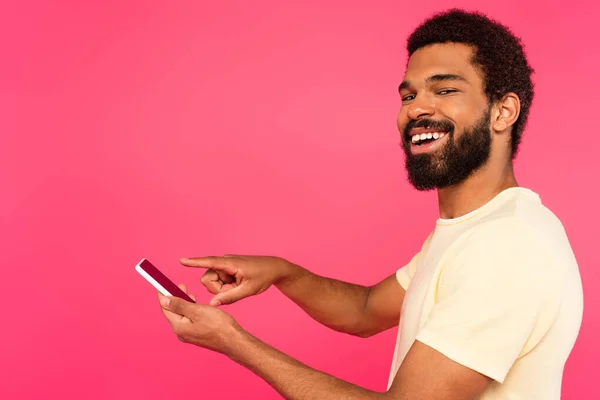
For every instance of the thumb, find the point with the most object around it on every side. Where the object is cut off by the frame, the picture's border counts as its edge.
(231, 295)
(178, 306)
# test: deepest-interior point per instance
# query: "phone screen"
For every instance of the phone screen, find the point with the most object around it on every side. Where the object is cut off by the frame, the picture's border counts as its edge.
(163, 284)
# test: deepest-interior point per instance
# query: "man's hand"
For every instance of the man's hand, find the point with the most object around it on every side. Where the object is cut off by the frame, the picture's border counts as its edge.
(233, 277)
(342, 306)
(198, 324)
(425, 373)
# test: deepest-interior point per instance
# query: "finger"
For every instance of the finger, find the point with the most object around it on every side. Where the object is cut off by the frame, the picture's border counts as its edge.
(212, 281)
(178, 306)
(184, 289)
(171, 316)
(231, 295)
(216, 277)
(228, 286)
(241, 256)
(223, 264)
(225, 277)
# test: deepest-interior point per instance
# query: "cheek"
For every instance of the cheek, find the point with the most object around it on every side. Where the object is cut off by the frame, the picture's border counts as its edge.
(452, 109)
(462, 110)
(401, 119)
(458, 114)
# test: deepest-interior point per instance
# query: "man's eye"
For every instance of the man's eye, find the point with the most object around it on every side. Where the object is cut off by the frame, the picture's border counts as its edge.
(447, 91)
(409, 97)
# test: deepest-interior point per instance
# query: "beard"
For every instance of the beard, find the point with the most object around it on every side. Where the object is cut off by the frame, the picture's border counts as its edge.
(455, 161)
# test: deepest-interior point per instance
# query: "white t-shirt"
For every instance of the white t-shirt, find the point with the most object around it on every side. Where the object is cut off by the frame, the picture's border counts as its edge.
(497, 290)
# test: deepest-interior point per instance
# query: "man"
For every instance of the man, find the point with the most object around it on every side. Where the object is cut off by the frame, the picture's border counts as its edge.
(491, 305)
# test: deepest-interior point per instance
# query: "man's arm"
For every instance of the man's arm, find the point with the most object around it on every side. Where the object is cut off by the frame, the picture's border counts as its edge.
(354, 309)
(345, 307)
(425, 374)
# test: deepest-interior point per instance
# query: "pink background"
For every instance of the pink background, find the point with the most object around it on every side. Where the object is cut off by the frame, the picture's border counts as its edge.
(130, 131)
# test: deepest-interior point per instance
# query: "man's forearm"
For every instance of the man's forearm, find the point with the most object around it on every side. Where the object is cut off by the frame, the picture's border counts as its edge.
(336, 304)
(292, 379)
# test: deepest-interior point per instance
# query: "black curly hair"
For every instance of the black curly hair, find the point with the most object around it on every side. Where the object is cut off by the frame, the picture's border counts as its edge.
(498, 53)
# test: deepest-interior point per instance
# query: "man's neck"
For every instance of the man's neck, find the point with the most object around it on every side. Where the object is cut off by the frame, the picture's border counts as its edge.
(476, 191)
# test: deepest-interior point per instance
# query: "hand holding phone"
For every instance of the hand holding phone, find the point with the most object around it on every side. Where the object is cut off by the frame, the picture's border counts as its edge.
(157, 279)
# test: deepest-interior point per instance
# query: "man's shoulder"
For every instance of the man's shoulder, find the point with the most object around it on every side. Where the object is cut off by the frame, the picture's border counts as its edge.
(508, 241)
(521, 212)
(502, 229)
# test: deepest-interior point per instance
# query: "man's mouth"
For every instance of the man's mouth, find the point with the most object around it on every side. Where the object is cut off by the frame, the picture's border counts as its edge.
(420, 139)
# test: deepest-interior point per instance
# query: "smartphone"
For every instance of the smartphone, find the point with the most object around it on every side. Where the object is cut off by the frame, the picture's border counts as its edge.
(157, 279)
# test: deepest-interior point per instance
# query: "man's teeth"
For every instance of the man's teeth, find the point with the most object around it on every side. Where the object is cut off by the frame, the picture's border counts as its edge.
(424, 136)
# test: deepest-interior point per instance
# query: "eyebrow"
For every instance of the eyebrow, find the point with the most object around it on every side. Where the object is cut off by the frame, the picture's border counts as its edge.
(435, 78)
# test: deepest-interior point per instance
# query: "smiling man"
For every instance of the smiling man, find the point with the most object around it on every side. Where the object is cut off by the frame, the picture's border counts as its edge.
(491, 305)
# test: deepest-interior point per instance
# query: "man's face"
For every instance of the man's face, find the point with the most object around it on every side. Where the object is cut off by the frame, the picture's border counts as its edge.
(445, 117)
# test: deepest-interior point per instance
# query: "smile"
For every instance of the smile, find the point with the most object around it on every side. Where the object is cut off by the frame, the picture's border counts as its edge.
(425, 141)
(424, 138)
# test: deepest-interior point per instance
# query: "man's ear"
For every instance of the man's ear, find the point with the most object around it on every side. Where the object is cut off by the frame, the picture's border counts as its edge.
(507, 111)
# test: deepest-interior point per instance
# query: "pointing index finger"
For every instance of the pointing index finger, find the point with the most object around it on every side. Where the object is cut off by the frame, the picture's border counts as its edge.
(225, 264)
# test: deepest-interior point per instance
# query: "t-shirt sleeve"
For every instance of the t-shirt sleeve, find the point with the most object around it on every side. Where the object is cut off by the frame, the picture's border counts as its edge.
(495, 298)
(405, 274)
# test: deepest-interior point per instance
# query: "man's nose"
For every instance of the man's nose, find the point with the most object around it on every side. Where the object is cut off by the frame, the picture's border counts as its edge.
(420, 107)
